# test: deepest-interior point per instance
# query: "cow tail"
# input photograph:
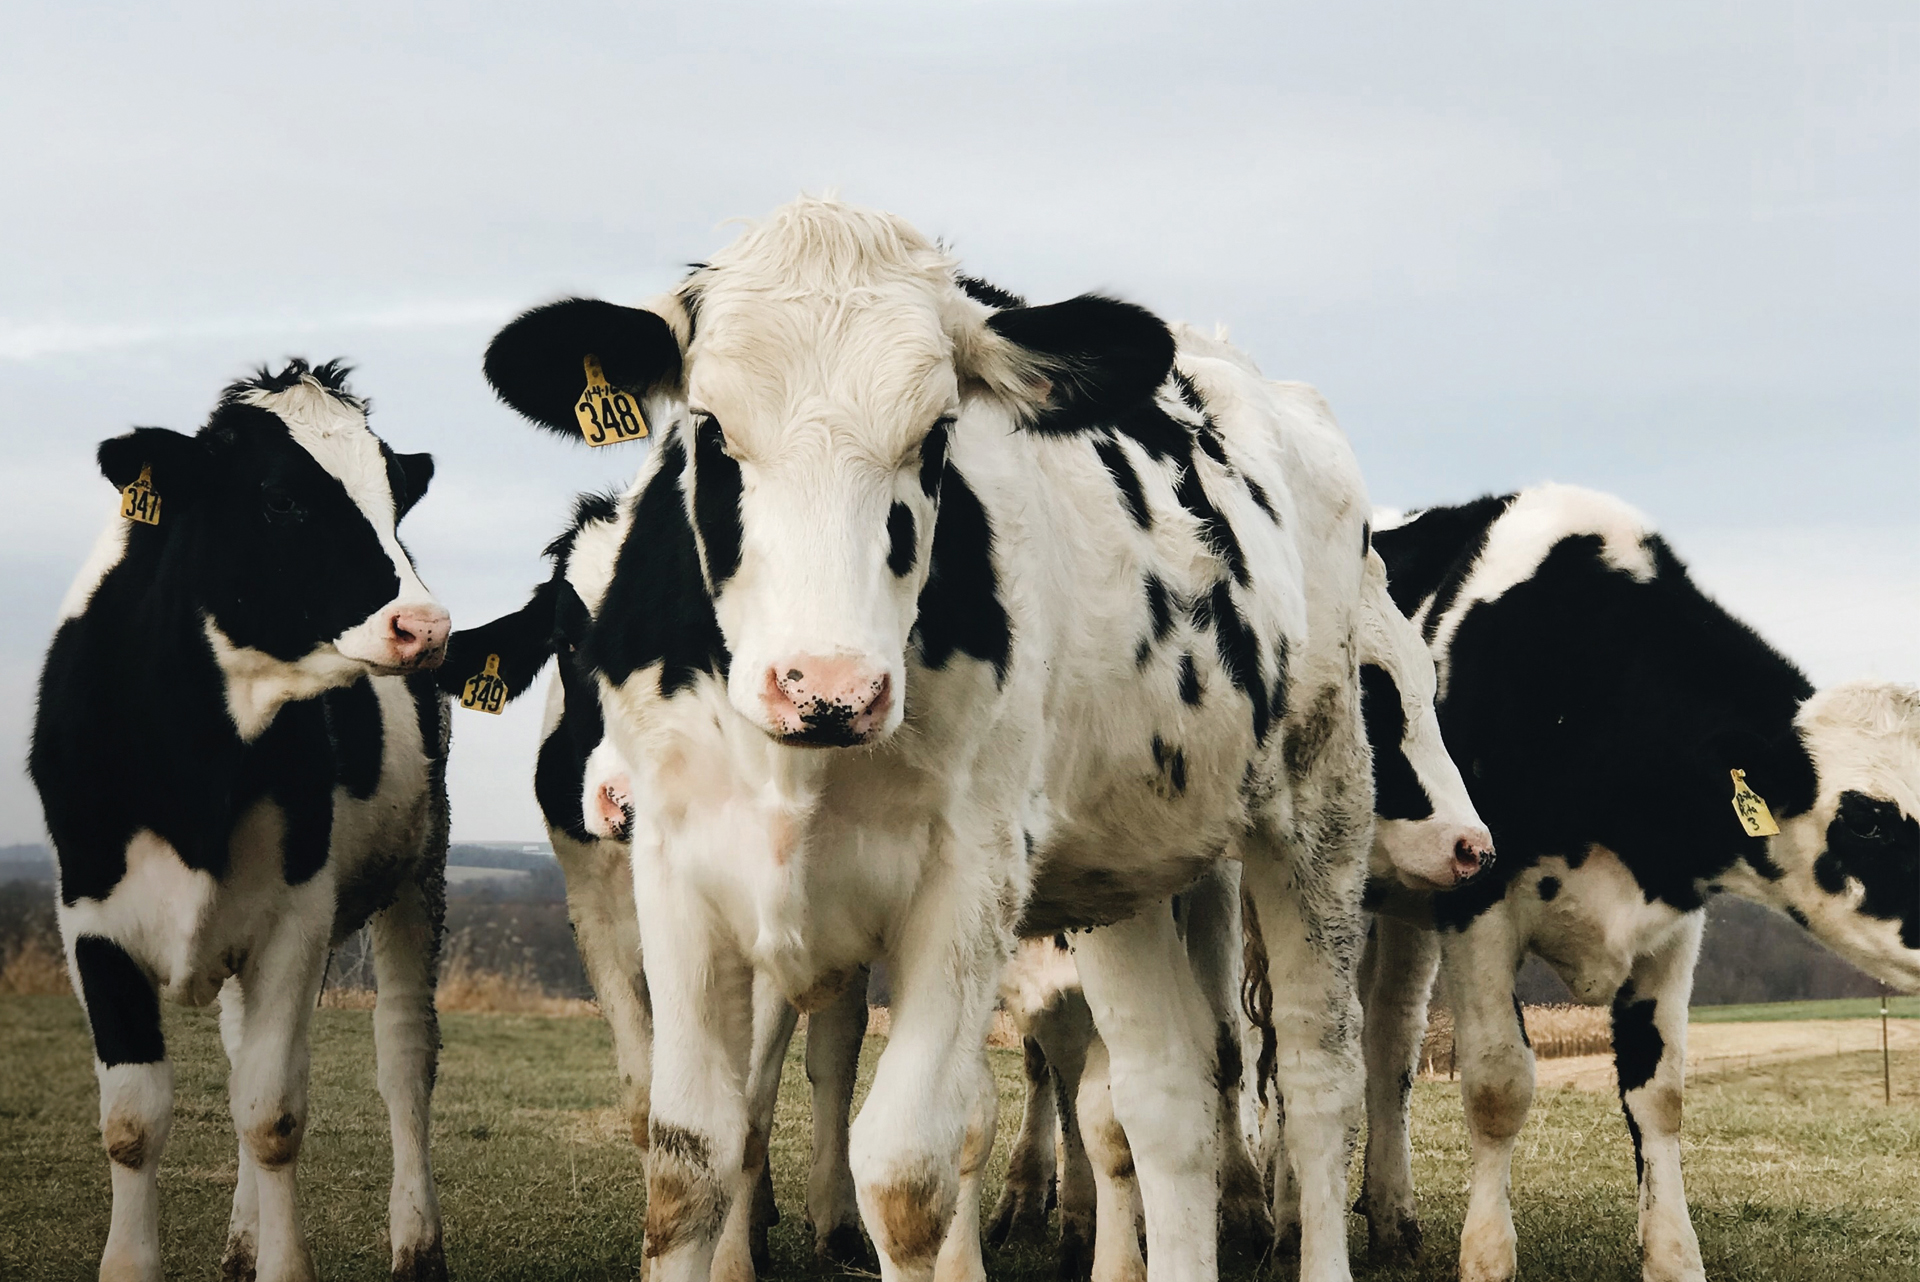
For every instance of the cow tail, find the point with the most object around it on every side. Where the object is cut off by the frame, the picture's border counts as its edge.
(1256, 994)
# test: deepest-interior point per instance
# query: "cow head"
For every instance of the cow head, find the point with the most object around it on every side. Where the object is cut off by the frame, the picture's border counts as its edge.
(1425, 826)
(809, 378)
(1848, 868)
(282, 510)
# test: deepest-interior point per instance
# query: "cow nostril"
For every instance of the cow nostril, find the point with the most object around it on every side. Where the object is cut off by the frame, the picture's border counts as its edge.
(794, 674)
(1466, 856)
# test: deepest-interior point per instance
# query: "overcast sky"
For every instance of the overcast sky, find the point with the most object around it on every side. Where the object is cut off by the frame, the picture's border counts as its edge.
(1664, 249)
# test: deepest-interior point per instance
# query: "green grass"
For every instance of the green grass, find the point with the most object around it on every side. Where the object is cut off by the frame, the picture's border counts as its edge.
(1839, 1008)
(1796, 1172)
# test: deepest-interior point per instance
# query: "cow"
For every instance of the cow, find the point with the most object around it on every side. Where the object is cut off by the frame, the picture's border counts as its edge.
(940, 620)
(254, 644)
(1635, 750)
(584, 791)
(1426, 836)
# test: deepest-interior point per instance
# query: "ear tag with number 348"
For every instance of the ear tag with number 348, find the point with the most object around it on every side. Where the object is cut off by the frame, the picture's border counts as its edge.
(1752, 809)
(138, 502)
(607, 414)
(487, 691)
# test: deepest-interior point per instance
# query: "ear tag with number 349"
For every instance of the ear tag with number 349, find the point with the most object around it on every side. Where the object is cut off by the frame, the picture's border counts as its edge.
(607, 414)
(138, 502)
(1753, 812)
(487, 691)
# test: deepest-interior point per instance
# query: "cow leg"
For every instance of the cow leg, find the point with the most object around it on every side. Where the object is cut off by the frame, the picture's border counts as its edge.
(931, 1109)
(834, 1036)
(1496, 1084)
(243, 1225)
(1650, 1053)
(1308, 902)
(1214, 948)
(600, 905)
(1117, 1208)
(406, 1036)
(1396, 978)
(1021, 1213)
(1159, 1036)
(268, 1087)
(136, 1099)
(698, 1120)
(742, 1251)
(1064, 1031)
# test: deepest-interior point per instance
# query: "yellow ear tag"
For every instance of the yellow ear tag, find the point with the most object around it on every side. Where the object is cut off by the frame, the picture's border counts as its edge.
(488, 691)
(138, 502)
(1753, 812)
(607, 415)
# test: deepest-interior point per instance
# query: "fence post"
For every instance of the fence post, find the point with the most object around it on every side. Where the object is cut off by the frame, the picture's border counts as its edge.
(1886, 1050)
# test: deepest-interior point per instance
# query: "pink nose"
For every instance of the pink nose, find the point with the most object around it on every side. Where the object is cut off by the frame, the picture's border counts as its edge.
(417, 635)
(613, 807)
(831, 701)
(1472, 855)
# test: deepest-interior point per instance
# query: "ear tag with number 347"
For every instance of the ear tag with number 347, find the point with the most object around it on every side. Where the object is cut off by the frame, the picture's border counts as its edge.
(607, 414)
(1753, 812)
(138, 502)
(487, 691)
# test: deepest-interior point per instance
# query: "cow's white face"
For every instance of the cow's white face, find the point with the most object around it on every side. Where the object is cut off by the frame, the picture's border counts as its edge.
(1849, 868)
(829, 422)
(806, 380)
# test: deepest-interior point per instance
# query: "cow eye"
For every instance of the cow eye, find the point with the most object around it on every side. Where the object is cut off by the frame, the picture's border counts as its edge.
(281, 506)
(1866, 818)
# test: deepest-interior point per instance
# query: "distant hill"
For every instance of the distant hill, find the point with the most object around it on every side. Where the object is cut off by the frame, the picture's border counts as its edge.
(30, 862)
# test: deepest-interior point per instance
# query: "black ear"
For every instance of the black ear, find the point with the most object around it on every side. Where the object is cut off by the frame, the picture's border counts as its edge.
(536, 364)
(1102, 355)
(179, 462)
(416, 474)
(523, 640)
(1777, 767)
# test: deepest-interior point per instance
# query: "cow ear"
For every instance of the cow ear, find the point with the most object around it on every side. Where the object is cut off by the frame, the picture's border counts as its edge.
(416, 474)
(537, 364)
(178, 463)
(1777, 767)
(1081, 362)
(522, 641)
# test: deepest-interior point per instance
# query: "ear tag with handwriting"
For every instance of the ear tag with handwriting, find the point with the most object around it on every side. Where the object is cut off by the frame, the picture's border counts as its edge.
(487, 691)
(138, 502)
(1753, 812)
(607, 415)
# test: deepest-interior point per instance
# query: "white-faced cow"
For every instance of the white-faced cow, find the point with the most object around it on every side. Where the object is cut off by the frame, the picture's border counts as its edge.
(1426, 835)
(1634, 749)
(253, 662)
(936, 620)
(584, 789)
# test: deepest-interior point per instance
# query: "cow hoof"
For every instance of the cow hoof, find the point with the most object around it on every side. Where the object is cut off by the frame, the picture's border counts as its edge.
(236, 1263)
(420, 1263)
(845, 1247)
(1019, 1219)
(1393, 1238)
(1246, 1230)
(1076, 1255)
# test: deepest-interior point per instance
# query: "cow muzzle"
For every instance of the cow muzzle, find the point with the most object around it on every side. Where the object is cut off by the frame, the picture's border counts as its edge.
(401, 638)
(826, 701)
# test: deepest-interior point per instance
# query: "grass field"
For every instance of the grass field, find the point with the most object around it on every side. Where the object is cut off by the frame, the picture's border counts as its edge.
(1796, 1171)
(1840, 1008)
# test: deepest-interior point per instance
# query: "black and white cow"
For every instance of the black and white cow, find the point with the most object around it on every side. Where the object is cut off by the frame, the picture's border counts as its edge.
(1610, 720)
(1426, 835)
(584, 790)
(254, 665)
(938, 620)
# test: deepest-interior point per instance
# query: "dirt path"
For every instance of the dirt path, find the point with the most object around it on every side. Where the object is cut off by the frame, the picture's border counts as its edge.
(1720, 1047)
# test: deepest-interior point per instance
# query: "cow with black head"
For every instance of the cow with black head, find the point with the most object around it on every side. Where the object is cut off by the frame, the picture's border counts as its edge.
(938, 620)
(251, 645)
(1635, 750)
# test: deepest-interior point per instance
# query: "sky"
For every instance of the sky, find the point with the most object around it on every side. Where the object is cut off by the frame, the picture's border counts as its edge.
(1670, 250)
